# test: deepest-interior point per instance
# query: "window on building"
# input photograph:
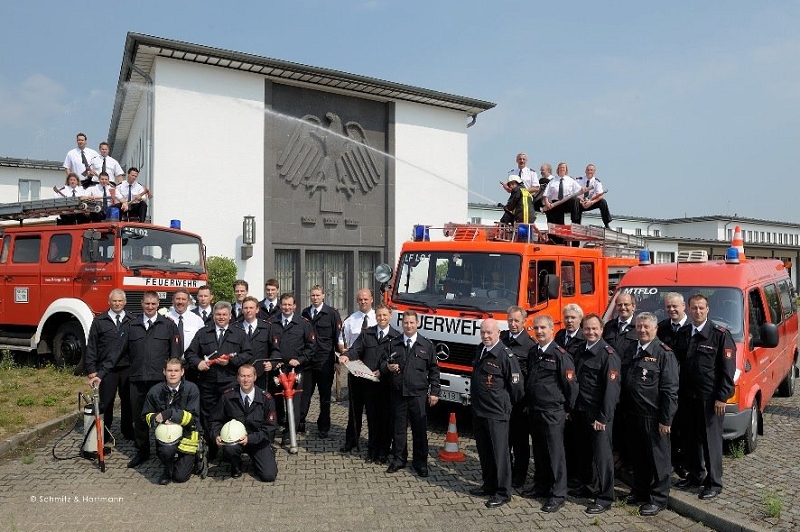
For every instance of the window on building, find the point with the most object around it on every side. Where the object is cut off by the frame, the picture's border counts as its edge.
(730, 234)
(656, 232)
(286, 264)
(29, 189)
(664, 257)
(619, 229)
(748, 236)
(638, 231)
(763, 237)
(475, 220)
(329, 270)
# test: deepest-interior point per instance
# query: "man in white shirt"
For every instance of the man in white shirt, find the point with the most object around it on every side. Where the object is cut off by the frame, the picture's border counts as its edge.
(105, 163)
(188, 323)
(132, 197)
(526, 175)
(592, 197)
(78, 161)
(103, 193)
(559, 188)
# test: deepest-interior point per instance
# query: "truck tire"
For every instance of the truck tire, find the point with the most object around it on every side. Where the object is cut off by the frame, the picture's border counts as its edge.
(750, 437)
(786, 388)
(69, 346)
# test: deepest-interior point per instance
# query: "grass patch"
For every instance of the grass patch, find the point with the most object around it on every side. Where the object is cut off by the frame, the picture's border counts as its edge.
(773, 504)
(737, 449)
(30, 396)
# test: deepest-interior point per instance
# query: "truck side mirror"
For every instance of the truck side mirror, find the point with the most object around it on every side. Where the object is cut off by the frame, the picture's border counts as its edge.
(553, 284)
(768, 337)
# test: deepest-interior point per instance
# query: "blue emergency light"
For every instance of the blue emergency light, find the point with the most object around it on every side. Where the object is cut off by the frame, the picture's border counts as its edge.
(174, 224)
(644, 257)
(421, 233)
(523, 233)
(732, 256)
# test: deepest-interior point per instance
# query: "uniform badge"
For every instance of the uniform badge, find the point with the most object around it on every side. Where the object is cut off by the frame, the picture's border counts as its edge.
(612, 375)
(644, 374)
(570, 374)
(650, 359)
(515, 378)
(728, 353)
(489, 381)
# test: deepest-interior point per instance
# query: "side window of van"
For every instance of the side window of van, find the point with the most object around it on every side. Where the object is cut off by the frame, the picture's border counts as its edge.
(786, 298)
(26, 250)
(6, 247)
(757, 315)
(587, 278)
(567, 278)
(773, 302)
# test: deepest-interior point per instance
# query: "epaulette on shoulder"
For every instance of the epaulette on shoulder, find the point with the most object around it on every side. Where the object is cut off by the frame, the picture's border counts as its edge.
(508, 351)
(560, 349)
(267, 395)
(665, 346)
(720, 328)
(228, 390)
(609, 349)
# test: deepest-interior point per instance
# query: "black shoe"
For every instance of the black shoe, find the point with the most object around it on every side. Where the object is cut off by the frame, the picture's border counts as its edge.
(495, 502)
(649, 509)
(138, 460)
(687, 483)
(709, 493)
(369, 459)
(301, 428)
(165, 478)
(235, 472)
(382, 459)
(421, 470)
(323, 434)
(534, 494)
(594, 509)
(394, 468)
(552, 505)
(481, 491)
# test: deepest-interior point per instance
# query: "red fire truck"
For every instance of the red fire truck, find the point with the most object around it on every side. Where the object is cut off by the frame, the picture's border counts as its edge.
(479, 271)
(54, 279)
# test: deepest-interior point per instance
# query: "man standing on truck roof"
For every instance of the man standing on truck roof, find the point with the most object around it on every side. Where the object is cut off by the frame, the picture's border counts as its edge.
(496, 385)
(706, 376)
(105, 368)
(78, 161)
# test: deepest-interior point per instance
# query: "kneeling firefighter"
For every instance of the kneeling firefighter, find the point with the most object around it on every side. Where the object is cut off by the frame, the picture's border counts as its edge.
(519, 207)
(172, 409)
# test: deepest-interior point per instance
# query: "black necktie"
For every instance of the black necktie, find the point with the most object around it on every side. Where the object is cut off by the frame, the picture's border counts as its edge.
(520, 172)
(540, 351)
(483, 353)
(380, 335)
(149, 324)
(271, 306)
(249, 331)
(285, 322)
(365, 323)
(586, 194)
(220, 334)
(129, 192)
(313, 314)
(567, 338)
(408, 345)
(118, 320)
(85, 164)
(104, 164)
(173, 393)
(675, 327)
(561, 188)
(205, 315)
(73, 192)
(105, 199)
(622, 326)
(180, 329)
(638, 352)
(246, 402)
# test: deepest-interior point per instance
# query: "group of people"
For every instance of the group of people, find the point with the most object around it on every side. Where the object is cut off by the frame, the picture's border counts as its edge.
(555, 195)
(633, 390)
(89, 177)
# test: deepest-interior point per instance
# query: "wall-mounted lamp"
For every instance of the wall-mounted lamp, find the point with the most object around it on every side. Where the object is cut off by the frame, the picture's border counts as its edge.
(248, 236)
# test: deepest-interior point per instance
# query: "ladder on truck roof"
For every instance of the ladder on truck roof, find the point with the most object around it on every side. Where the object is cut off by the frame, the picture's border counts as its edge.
(611, 243)
(24, 210)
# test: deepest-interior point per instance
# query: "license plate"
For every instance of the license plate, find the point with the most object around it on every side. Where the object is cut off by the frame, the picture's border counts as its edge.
(453, 397)
(162, 295)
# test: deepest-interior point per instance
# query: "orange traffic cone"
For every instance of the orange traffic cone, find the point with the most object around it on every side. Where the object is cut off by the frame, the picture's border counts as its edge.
(450, 452)
(738, 243)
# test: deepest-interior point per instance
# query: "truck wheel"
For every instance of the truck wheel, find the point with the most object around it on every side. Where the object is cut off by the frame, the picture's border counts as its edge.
(69, 345)
(751, 434)
(786, 388)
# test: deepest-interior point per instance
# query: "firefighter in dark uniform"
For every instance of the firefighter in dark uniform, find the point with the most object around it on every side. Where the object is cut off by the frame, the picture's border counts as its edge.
(294, 337)
(255, 408)
(674, 331)
(152, 339)
(496, 385)
(414, 372)
(175, 401)
(650, 384)
(327, 325)
(215, 372)
(520, 342)
(372, 346)
(260, 337)
(597, 370)
(571, 339)
(104, 365)
(706, 378)
(551, 390)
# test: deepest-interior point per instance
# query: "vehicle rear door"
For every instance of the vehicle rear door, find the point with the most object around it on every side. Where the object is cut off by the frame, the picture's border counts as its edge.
(21, 277)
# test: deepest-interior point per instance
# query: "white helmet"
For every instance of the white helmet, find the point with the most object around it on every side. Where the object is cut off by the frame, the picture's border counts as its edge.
(514, 179)
(232, 431)
(169, 433)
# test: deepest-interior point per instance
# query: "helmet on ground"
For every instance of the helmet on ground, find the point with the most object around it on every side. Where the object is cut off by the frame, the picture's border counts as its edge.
(232, 431)
(169, 433)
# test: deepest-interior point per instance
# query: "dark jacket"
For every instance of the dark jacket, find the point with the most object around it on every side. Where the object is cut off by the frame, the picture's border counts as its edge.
(209, 317)
(651, 383)
(184, 409)
(296, 340)
(204, 344)
(497, 383)
(263, 310)
(261, 344)
(519, 206)
(369, 350)
(551, 383)
(576, 345)
(599, 379)
(621, 341)
(149, 349)
(259, 419)
(419, 369)
(707, 372)
(673, 338)
(522, 345)
(104, 346)
(327, 325)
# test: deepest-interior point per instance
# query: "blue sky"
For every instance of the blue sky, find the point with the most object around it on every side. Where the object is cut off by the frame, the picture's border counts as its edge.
(687, 108)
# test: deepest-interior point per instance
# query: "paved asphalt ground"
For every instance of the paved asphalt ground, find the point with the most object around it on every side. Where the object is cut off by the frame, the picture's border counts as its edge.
(321, 489)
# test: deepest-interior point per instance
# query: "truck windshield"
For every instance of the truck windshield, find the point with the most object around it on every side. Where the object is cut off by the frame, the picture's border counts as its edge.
(145, 247)
(725, 305)
(482, 281)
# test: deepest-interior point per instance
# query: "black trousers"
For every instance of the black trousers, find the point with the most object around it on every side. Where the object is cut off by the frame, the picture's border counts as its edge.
(605, 214)
(136, 212)
(372, 397)
(491, 440)
(179, 465)
(320, 377)
(262, 455)
(519, 434)
(594, 458)
(652, 465)
(550, 465)
(117, 380)
(556, 215)
(410, 410)
(210, 394)
(704, 442)
(141, 432)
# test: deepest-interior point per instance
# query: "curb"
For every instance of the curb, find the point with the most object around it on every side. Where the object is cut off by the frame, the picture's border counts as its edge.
(38, 431)
(685, 505)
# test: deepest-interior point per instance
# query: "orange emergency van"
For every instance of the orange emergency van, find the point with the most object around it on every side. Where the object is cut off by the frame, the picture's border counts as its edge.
(756, 302)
